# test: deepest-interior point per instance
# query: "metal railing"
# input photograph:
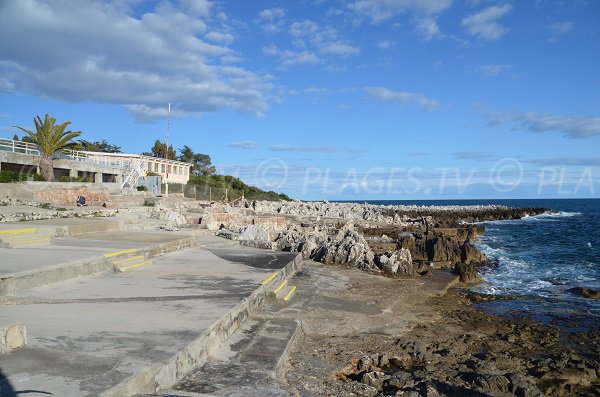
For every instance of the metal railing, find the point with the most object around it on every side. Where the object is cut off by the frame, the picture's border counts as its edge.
(9, 145)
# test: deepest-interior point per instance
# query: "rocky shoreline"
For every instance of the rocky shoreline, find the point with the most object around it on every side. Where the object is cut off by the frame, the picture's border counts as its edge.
(462, 352)
(396, 241)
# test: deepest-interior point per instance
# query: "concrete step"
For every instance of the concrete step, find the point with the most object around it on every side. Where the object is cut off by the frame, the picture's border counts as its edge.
(282, 290)
(247, 364)
(21, 238)
(127, 260)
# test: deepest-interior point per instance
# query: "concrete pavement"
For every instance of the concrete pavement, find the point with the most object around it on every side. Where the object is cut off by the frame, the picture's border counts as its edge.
(90, 334)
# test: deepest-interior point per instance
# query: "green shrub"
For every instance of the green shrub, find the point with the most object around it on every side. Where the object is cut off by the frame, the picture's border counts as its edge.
(142, 188)
(12, 176)
(76, 179)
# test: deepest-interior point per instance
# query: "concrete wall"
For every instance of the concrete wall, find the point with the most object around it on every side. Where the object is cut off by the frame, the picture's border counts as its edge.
(28, 163)
(64, 193)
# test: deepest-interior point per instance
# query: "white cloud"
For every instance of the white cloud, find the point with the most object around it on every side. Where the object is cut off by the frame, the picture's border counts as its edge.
(428, 28)
(559, 28)
(484, 24)
(572, 126)
(385, 44)
(218, 37)
(271, 20)
(243, 144)
(324, 40)
(311, 149)
(102, 52)
(494, 70)
(405, 98)
(271, 14)
(291, 58)
(378, 11)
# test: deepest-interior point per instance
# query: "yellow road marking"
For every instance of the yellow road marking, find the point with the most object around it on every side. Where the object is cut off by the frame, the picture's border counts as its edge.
(30, 241)
(269, 279)
(125, 268)
(280, 287)
(289, 294)
(22, 236)
(18, 231)
(133, 258)
(111, 254)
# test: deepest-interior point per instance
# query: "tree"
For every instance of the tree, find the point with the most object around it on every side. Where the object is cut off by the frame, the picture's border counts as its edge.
(98, 146)
(201, 163)
(159, 149)
(50, 138)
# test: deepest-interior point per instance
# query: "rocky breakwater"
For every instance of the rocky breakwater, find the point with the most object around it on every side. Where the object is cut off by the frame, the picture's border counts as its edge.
(399, 241)
(433, 216)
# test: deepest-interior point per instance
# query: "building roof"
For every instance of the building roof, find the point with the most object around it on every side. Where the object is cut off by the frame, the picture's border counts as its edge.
(137, 156)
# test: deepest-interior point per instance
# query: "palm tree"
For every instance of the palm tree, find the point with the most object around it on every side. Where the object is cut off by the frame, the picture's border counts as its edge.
(50, 138)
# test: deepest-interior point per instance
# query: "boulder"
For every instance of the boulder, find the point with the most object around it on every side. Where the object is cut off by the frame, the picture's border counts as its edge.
(398, 262)
(12, 337)
(254, 233)
(586, 292)
(467, 273)
(471, 255)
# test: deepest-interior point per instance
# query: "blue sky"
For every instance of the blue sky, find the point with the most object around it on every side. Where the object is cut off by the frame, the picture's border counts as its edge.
(359, 99)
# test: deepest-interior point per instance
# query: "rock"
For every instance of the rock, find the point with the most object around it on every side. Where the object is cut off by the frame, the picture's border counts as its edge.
(374, 379)
(467, 273)
(471, 255)
(175, 217)
(443, 249)
(12, 337)
(348, 247)
(398, 262)
(254, 233)
(585, 292)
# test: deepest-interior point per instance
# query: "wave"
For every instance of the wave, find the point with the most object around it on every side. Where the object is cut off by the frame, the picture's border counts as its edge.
(535, 218)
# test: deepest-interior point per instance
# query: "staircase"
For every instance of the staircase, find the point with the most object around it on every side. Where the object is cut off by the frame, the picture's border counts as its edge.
(126, 260)
(281, 290)
(20, 238)
(137, 168)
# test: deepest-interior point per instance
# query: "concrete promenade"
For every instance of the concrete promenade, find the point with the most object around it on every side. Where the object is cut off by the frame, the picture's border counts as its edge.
(120, 333)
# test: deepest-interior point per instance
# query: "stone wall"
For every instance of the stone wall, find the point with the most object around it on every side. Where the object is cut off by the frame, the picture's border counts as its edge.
(69, 197)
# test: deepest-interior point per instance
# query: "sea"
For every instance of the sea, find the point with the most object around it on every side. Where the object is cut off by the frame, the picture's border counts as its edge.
(538, 259)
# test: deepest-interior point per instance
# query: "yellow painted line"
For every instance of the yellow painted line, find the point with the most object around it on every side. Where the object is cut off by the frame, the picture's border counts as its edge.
(289, 294)
(111, 254)
(30, 241)
(133, 258)
(269, 279)
(125, 268)
(21, 236)
(18, 231)
(280, 287)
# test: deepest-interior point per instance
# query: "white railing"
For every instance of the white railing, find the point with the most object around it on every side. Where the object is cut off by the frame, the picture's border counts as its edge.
(9, 145)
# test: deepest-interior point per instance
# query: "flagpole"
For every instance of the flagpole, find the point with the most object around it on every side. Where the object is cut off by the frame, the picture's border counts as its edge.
(167, 150)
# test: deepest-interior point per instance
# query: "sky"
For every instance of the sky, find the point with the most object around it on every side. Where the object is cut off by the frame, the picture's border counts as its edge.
(337, 100)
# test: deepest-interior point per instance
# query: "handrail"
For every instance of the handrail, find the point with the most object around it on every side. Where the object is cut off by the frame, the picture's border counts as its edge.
(10, 145)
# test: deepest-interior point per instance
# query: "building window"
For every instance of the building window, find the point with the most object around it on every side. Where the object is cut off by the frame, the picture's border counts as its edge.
(168, 169)
(162, 168)
(155, 167)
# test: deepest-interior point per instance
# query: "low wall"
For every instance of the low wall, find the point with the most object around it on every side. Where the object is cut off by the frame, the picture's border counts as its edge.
(62, 193)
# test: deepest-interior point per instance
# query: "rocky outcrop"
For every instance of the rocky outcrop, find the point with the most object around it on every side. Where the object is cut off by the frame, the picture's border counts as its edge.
(347, 248)
(467, 273)
(254, 233)
(586, 292)
(397, 262)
